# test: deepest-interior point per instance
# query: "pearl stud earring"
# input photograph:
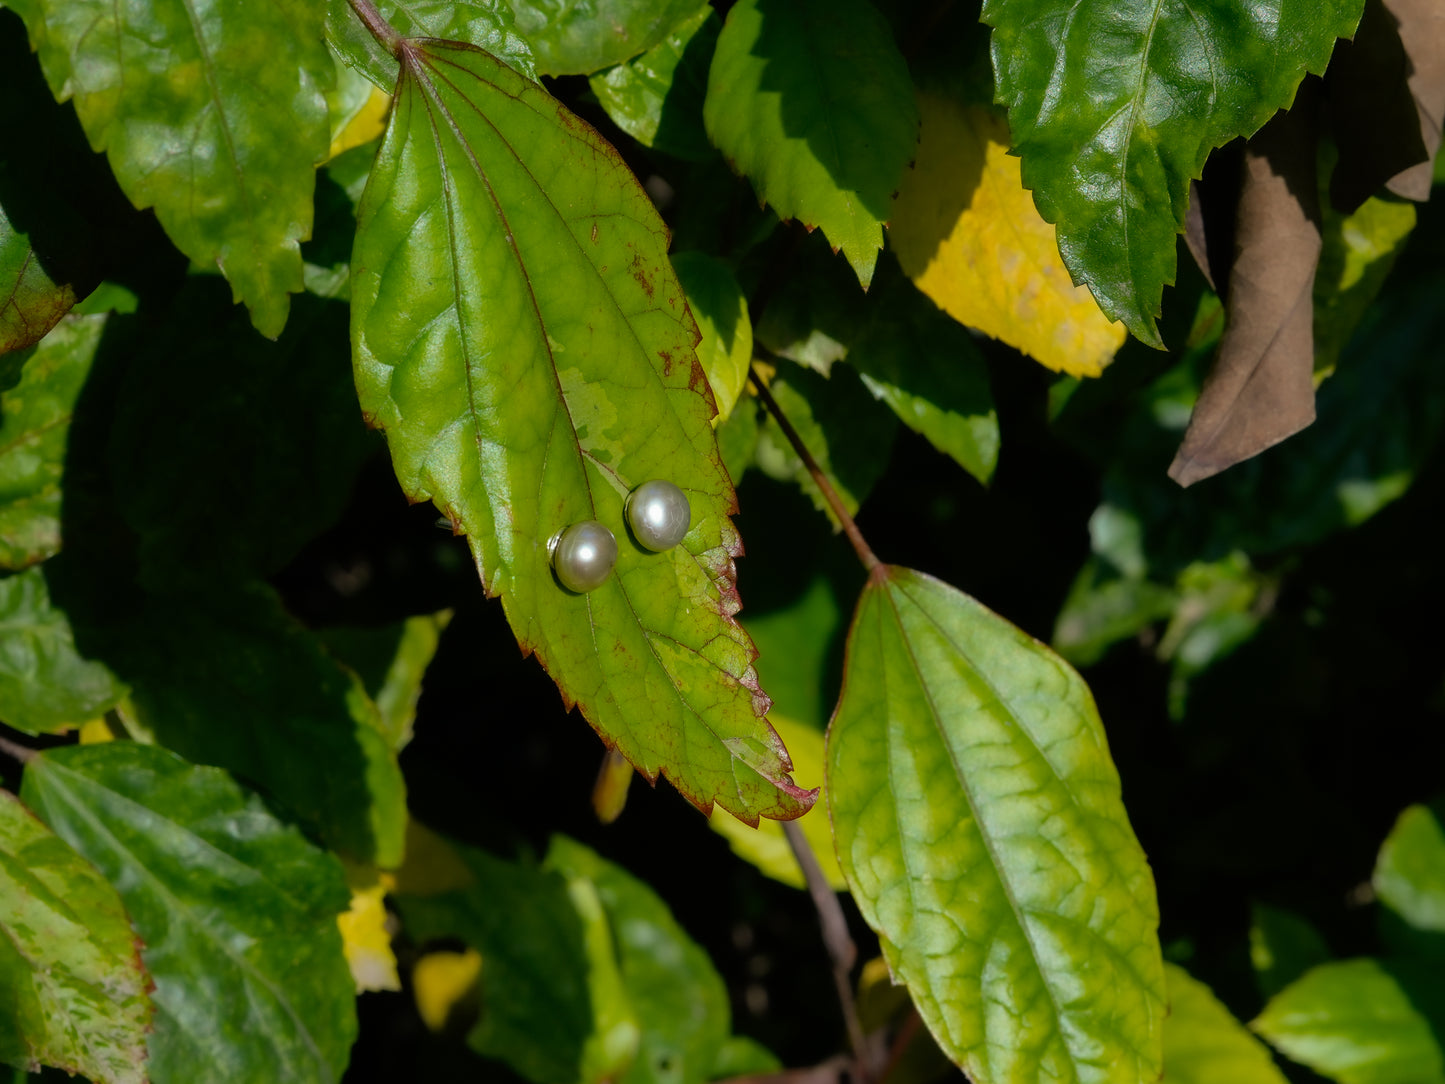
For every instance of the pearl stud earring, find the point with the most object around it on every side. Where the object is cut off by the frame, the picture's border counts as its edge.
(658, 514)
(583, 556)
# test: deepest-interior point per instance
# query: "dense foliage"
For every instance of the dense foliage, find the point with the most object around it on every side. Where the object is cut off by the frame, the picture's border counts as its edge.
(880, 285)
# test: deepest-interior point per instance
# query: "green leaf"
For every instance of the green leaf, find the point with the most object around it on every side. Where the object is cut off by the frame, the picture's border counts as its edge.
(1361, 1021)
(487, 24)
(1410, 880)
(926, 367)
(657, 98)
(721, 311)
(811, 101)
(1357, 253)
(35, 418)
(1101, 610)
(537, 1010)
(766, 846)
(222, 675)
(391, 661)
(339, 185)
(237, 912)
(572, 38)
(31, 302)
(741, 1056)
(1115, 107)
(73, 991)
(515, 322)
(840, 423)
(794, 649)
(1282, 947)
(215, 116)
(679, 998)
(1205, 1044)
(977, 817)
(45, 683)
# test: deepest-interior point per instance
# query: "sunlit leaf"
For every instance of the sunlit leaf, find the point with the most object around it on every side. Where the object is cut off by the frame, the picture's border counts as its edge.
(487, 24)
(577, 39)
(657, 98)
(366, 941)
(1361, 1021)
(75, 989)
(213, 115)
(442, 981)
(978, 820)
(967, 233)
(1410, 881)
(391, 662)
(515, 321)
(1359, 251)
(794, 645)
(1204, 1043)
(721, 311)
(31, 302)
(679, 998)
(46, 684)
(766, 846)
(357, 108)
(237, 912)
(35, 418)
(811, 101)
(1114, 108)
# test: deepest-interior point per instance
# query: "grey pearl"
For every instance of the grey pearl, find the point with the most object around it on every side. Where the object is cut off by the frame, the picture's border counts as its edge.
(583, 556)
(659, 514)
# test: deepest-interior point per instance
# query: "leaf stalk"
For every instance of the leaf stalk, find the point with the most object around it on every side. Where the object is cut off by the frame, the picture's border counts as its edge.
(389, 37)
(835, 502)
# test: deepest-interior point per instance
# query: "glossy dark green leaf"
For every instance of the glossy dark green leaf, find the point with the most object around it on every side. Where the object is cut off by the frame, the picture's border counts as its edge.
(680, 1002)
(1114, 108)
(811, 101)
(571, 38)
(657, 97)
(1362, 1021)
(847, 431)
(1282, 947)
(523, 341)
(45, 682)
(214, 115)
(977, 817)
(391, 661)
(224, 676)
(73, 991)
(537, 1010)
(487, 24)
(1204, 1043)
(236, 910)
(35, 418)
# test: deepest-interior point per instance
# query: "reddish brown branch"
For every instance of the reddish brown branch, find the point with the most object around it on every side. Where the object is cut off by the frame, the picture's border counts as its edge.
(389, 37)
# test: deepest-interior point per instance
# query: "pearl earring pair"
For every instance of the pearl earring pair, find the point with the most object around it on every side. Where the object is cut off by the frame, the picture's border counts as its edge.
(583, 555)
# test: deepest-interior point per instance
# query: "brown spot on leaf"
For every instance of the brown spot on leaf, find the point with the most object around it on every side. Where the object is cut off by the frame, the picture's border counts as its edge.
(666, 356)
(594, 233)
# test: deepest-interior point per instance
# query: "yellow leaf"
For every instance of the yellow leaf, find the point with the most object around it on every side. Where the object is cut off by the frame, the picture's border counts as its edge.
(967, 233)
(366, 939)
(442, 979)
(367, 122)
(96, 730)
(766, 846)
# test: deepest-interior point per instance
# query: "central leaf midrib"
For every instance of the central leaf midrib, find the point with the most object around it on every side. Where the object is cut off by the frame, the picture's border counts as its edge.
(1015, 909)
(432, 98)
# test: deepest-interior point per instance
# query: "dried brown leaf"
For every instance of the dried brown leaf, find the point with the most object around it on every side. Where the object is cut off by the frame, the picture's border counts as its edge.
(1261, 389)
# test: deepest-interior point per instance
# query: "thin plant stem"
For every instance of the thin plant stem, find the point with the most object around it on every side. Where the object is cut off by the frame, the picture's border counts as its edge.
(16, 751)
(841, 950)
(389, 37)
(835, 502)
